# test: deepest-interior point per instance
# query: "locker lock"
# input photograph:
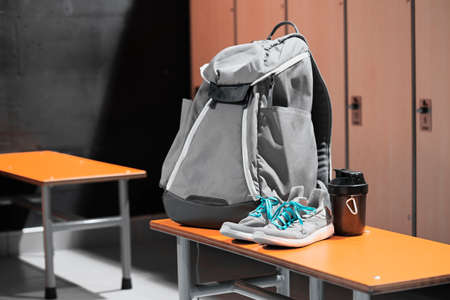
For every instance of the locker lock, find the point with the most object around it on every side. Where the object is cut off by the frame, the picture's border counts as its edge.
(423, 110)
(425, 114)
(355, 106)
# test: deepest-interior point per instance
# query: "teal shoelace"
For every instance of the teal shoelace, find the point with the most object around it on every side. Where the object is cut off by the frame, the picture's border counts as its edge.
(265, 207)
(288, 213)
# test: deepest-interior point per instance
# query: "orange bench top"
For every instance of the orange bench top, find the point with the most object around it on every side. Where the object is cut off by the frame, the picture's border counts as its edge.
(379, 261)
(49, 167)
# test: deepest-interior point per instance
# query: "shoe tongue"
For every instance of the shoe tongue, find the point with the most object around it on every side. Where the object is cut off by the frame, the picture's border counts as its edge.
(316, 198)
(296, 191)
(300, 200)
(272, 193)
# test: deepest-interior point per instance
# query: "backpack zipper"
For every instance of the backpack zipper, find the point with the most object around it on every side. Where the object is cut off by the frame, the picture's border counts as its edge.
(187, 143)
(284, 66)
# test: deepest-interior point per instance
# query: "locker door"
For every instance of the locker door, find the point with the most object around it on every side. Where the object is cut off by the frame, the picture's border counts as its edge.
(256, 18)
(212, 29)
(322, 23)
(433, 147)
(379, 52)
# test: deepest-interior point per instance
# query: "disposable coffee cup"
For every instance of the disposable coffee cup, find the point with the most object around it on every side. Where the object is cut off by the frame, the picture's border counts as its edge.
(348, 193)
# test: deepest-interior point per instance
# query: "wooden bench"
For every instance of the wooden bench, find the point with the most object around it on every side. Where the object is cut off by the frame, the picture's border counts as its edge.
(47, 169)
(377, 262)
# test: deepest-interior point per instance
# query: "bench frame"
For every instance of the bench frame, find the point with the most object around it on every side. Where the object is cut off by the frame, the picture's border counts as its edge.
(252, 287)
(122, 221)
(47, 169)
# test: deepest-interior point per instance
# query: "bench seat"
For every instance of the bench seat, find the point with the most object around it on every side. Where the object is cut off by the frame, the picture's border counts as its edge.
(379, 261)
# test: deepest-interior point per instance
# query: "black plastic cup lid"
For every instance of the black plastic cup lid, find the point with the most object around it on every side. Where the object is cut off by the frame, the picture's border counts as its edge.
(348, 182)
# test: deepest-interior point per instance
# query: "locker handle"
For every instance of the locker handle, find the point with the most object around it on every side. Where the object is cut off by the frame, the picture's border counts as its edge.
(425, 117)
(354, 106)
(425, 107)
(423, 110)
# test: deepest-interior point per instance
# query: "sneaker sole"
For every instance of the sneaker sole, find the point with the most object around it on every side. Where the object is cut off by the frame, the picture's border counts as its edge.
(235, 234)
(321, 234)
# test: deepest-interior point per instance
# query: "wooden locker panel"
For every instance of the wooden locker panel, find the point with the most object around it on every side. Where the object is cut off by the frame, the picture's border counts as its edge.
(433, 147)
(379, 52)
(212, 29)
(322, 23)
(256, 18)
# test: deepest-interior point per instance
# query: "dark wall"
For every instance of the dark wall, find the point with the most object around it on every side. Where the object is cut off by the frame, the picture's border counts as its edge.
(98, 78)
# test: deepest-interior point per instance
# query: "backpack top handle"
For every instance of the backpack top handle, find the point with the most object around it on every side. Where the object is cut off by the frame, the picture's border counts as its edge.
(281, 24)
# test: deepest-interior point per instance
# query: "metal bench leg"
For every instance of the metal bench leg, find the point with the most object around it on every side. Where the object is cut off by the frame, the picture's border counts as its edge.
(184, 263)
(50, 283)
(315, 288)
(357, 295)
(284, 287)
(125, 240)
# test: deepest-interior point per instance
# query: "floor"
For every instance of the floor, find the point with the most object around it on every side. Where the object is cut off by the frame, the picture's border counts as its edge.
(96, 274)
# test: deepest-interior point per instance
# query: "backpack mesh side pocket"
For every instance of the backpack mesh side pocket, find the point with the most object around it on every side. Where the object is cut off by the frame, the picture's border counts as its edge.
(287, 154)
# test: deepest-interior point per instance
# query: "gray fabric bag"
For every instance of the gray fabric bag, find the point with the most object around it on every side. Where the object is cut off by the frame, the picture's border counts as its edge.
(259, 124)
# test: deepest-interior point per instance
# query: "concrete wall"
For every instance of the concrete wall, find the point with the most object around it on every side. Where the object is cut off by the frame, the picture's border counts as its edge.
(99, 78)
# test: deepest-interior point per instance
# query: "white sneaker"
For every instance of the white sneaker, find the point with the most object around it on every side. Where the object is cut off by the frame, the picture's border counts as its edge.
(299, 222)
(258, 218)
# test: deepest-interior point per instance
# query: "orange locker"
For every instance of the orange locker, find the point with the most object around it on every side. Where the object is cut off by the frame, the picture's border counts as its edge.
(256, 18)
(379, 66)
(322, 23)
(433, 146)
(212, 29)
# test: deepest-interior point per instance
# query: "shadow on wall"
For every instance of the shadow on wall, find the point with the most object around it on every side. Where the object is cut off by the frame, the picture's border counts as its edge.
(101, 79)
(139, 116)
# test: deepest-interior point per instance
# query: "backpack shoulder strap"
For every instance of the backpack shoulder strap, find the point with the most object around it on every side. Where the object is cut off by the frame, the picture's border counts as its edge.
(321, 113)
(321, 107)
(321, 116)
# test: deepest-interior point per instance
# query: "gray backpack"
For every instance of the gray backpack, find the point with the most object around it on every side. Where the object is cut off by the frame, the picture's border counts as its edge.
(259, 125)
